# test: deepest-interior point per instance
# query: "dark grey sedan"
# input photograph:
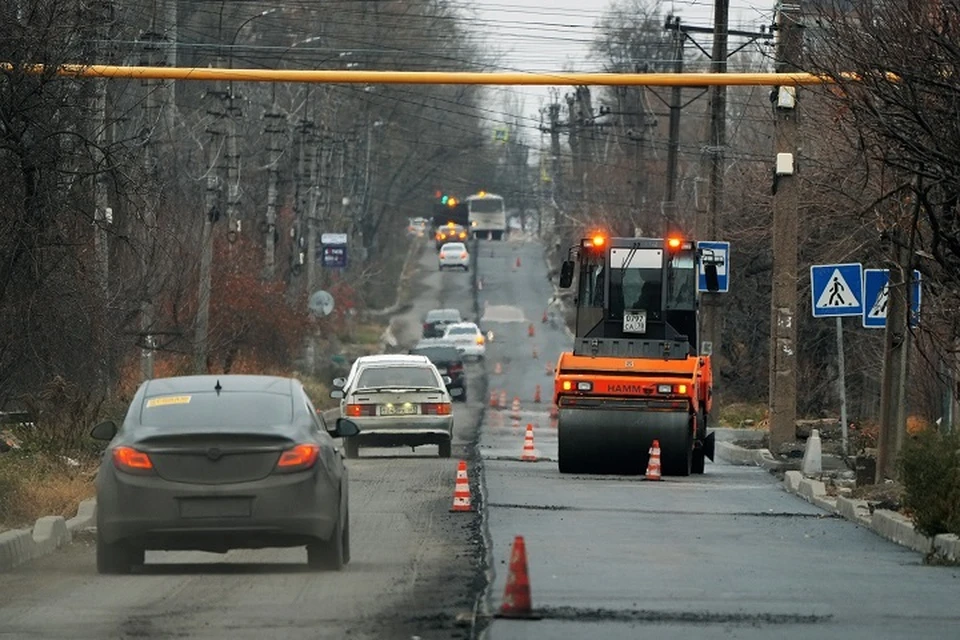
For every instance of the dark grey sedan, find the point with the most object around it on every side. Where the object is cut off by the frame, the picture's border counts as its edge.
(214, 463)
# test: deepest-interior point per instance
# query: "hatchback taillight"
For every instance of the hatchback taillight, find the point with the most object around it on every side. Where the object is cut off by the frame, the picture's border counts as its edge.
(299, 458)
(436, 408)
(132, 461)
(464, 255)
(442, 255)
(360, 410)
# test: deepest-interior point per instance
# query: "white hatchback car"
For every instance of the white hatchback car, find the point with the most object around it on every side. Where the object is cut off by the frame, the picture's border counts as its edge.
(396, 400)
(468, 339)
(454, 254)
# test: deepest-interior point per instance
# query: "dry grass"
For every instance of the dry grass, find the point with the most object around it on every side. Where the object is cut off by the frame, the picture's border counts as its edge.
(36, 485)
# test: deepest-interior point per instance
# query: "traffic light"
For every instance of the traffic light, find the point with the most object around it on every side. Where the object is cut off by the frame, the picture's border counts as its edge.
(452, 202)
(444, 199)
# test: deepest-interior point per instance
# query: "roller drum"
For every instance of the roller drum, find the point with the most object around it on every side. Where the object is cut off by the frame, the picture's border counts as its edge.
(604, 441)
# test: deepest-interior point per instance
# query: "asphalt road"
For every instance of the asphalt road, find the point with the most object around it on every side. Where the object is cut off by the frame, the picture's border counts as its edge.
(726, 554)
(415, 565)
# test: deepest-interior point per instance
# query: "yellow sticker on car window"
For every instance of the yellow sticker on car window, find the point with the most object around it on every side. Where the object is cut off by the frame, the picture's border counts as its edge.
(167, 400)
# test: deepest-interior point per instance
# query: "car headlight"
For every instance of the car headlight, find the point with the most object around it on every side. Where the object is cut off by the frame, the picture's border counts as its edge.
(584, 386)
(664, 388)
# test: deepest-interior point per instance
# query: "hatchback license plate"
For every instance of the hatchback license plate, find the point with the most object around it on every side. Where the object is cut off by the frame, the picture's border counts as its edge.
(635, 322)
(215, 507)
(398, 410)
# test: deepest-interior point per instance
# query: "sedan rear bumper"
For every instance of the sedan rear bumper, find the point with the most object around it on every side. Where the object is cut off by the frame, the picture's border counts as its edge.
(276, 511)
(404, 430)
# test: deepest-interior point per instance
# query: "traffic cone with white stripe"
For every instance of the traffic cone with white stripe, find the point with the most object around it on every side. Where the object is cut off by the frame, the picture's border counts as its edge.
(516, 408)
(653, 466)
(529, 453)
(503, 399)
(536, 395)
(493, 399)
(497, 369)
(535, 354)
(461, 491)
(517, 602)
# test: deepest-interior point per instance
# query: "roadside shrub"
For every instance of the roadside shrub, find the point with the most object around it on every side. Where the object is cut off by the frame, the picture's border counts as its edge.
(930, 469)
(40, 484)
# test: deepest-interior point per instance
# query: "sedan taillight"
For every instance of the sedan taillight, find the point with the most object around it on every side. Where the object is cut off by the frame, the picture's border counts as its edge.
(132, 461)
(299, 458)
(436, 408)
(442, 255)
(464, 255)
(360, 410)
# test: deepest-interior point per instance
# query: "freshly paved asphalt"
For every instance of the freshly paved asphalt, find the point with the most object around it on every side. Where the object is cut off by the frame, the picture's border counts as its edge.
(726, 554)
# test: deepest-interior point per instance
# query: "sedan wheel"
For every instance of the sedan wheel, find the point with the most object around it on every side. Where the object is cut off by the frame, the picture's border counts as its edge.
(328, 555)
(117, 558)
(446, 448)
(351, 448)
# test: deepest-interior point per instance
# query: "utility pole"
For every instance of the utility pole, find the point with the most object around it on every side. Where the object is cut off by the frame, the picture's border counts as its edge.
(783, 308)
(711, 319)
(211, 215)
(101, 17)
(317, 157)
(275, 125)
(576, 145)
(896, 352)
(673, 146)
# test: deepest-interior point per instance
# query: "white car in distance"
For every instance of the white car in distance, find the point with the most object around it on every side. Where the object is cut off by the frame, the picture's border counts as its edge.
(468, 339)
(401, 400)
(454, 254)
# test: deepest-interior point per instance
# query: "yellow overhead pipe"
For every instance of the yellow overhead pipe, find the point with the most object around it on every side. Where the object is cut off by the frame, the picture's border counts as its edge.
(338, 76)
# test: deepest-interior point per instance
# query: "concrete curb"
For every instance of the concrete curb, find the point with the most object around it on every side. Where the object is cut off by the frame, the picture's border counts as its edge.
(887, 524)
(734, 454)
(48, 534)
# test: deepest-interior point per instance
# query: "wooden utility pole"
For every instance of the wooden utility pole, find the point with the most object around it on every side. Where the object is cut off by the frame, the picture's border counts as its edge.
(896, 352)
(783, 308)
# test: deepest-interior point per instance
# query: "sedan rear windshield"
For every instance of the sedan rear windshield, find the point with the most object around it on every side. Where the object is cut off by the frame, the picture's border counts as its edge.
(443, 315)
(209, 409)
(456, 331)
(438, 354)
(454, 246)
(397, 377)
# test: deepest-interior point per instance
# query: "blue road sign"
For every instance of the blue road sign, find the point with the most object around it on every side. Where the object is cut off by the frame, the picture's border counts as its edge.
(876, 295)
(836, 290)
(717, 253)
(334, 256)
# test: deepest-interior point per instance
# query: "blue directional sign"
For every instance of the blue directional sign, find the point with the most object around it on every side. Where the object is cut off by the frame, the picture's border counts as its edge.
(876, 294)
(717, 253)
(836, 290)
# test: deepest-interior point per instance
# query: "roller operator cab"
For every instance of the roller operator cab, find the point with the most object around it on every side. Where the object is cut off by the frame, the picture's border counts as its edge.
(636, 373)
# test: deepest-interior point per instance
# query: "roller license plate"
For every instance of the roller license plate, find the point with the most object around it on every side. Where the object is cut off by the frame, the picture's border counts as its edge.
(399, 410)
(635, 322)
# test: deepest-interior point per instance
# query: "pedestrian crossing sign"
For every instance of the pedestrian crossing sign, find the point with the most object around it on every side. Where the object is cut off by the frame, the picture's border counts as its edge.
(876, 290)
(837, 290)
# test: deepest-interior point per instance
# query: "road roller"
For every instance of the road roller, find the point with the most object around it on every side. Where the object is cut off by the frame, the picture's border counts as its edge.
(636, 372)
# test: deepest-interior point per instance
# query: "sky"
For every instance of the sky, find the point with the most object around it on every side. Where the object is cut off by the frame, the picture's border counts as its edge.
(555, 35)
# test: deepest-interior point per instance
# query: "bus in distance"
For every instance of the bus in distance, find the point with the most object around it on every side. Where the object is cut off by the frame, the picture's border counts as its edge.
(488, 217)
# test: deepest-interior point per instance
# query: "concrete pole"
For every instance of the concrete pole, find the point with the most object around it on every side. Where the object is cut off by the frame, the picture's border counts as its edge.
(783, 308)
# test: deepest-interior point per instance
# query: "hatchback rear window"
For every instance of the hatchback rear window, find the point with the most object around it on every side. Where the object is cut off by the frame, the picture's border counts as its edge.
(438, 354)
(187, 411)
(456, 331)
(397, 377)
(446, 315)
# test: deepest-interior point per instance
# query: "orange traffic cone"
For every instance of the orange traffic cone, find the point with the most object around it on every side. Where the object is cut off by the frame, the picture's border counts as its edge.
(503, 399)
(544, 318)
(653, 467)
(531, 331)
(536, 394)
(529, 453)
(493, 398)
(461, 491)
(516, 596)
(498, 369)
(516, 407)
(518, 262)
(535, 354)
